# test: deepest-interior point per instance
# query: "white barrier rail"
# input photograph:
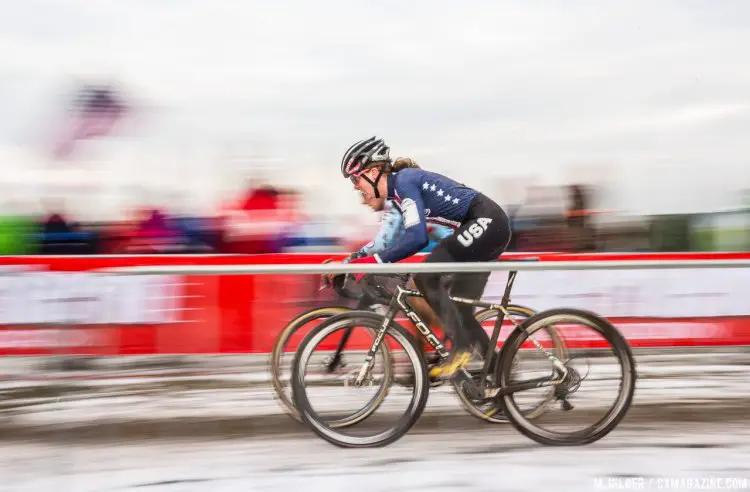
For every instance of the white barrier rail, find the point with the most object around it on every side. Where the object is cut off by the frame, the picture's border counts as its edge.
(494, 266)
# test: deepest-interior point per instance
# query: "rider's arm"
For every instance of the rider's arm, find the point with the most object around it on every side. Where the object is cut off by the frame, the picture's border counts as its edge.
(389, 229)
(415, 237)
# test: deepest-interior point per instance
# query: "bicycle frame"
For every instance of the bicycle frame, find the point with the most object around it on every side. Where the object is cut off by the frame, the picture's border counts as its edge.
(399, 303)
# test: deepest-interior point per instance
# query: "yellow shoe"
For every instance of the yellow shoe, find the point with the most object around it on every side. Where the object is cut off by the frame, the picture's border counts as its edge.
(449, 368)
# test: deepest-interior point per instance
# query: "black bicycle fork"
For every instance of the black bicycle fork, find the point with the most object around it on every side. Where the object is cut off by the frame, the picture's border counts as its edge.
(362, 303)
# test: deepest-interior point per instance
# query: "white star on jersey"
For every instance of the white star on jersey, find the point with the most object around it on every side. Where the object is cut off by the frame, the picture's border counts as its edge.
(427, 186)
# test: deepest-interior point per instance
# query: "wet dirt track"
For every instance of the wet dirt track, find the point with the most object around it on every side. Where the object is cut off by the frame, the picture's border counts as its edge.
(690, 419)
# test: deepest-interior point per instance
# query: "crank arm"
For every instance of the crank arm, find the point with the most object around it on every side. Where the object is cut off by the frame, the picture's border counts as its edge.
(526, 385)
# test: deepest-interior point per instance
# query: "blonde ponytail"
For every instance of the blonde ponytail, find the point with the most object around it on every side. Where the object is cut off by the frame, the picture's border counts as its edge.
(403, 163)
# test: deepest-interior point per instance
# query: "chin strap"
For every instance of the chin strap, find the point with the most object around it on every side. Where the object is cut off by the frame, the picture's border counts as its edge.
(375, 183)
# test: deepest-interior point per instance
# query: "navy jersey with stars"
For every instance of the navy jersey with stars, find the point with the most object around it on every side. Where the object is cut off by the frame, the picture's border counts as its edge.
(423, 197)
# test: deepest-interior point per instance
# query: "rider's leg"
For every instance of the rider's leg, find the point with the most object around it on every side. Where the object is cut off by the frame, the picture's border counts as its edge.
(483, 237)
(438, 298)
(424, 311)
(471, 286)
(428, 316)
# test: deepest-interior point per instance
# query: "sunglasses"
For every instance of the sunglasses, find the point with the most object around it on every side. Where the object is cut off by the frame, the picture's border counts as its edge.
(355, 179)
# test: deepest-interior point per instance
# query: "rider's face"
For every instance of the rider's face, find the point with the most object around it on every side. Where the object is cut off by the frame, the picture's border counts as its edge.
(366, 190)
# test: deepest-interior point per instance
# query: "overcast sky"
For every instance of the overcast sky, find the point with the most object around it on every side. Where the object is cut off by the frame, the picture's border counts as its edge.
(659, 91)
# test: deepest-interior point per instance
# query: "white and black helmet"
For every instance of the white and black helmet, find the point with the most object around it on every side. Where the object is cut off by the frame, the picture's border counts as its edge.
(363, 153)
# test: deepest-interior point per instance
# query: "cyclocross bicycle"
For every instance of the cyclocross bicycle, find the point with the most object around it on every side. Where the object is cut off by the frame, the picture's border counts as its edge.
(372, 296)
(495, 381)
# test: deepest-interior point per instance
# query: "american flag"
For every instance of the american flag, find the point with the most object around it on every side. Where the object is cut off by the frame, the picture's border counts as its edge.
(94, 113)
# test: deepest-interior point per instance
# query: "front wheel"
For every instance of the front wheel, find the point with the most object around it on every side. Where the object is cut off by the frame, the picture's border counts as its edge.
(592, 337)
(313, 411)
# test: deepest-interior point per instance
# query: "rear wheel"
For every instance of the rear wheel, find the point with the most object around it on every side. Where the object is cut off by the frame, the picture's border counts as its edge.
(280, 371)
(593, 338)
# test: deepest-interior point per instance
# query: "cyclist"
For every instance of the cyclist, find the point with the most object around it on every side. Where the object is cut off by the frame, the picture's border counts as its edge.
(482, 234)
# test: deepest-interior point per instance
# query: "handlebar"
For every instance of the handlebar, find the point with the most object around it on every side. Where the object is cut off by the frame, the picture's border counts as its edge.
(372, 290)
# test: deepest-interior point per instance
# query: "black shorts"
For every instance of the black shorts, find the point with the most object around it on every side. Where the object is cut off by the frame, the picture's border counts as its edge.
(484, 235)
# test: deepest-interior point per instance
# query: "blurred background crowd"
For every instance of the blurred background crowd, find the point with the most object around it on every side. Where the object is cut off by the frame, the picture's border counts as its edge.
(264, 218)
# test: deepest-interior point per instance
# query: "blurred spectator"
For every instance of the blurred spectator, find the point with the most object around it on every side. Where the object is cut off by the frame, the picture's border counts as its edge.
(294, 219)
(59, 236)
(261, 198)
(200, 234)
(578, 218)
(153, 234)
(56, 223)
(267, 220)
